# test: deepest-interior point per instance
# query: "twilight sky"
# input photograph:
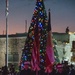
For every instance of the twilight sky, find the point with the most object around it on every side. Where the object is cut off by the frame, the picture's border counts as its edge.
(62, 15)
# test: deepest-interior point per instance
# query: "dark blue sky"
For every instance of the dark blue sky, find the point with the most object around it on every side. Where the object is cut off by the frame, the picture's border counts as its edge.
(62, 14)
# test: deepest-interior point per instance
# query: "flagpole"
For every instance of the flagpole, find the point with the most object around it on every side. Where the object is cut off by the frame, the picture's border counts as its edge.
(6, 61)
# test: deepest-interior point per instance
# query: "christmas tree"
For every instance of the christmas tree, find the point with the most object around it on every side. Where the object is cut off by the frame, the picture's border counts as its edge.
(35, 44)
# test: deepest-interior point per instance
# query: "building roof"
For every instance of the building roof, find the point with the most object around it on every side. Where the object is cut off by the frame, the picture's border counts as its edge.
(64, 37)
(15, 35)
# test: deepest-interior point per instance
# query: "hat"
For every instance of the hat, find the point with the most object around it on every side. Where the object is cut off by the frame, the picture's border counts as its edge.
(27, 63)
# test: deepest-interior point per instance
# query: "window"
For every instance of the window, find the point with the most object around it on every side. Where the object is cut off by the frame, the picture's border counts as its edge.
(13, 57)
(10, 58)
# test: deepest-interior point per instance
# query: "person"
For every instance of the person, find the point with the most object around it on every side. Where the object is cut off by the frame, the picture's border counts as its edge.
(12, 70)
(59, 69)
(0, 71)
(67, 30)
(26, 70)
(5, 70)
(72, 70)
(54, 70)
(66, 68)
(41, 71)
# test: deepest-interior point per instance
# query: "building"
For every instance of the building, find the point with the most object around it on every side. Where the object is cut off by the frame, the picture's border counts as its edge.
(16, 44)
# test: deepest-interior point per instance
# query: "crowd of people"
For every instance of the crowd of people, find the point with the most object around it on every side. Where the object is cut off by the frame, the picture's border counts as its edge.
(59, 69)
(8, 71)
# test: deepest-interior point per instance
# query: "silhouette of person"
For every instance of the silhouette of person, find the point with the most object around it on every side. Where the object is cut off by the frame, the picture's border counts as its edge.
(26, 70)
(67, 30)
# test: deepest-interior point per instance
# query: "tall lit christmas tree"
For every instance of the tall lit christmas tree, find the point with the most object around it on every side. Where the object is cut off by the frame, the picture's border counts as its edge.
(35, 44)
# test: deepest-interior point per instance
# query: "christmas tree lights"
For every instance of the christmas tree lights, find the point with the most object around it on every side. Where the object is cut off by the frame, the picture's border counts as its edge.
(38, 32)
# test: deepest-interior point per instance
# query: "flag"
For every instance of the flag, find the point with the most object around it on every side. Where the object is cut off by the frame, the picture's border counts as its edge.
(35, 60)
(49, 47)
(7, 4)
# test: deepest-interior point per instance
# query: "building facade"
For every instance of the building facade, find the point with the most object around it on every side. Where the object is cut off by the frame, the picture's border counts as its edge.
(16, 43)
